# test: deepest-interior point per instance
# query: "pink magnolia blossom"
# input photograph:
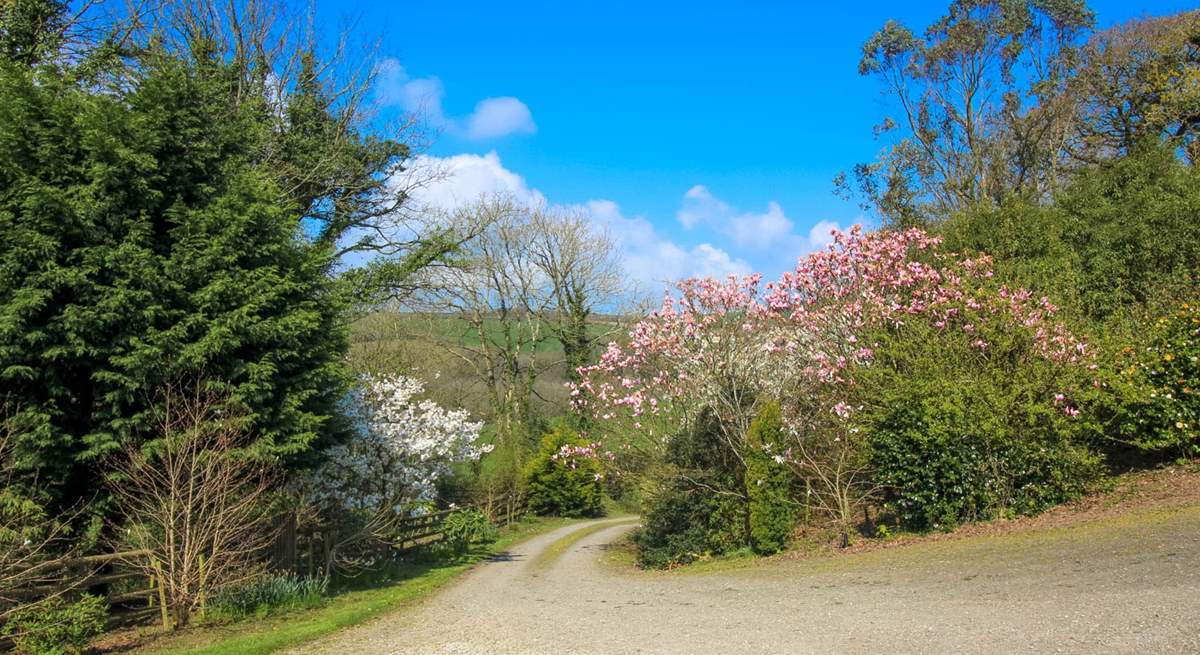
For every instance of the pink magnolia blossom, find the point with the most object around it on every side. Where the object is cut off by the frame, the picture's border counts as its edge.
(717, 342)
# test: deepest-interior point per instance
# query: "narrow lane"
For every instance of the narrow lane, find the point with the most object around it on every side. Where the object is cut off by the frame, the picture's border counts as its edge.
(1130, 584)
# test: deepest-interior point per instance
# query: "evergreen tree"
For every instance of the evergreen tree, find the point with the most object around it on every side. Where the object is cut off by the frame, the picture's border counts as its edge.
(145, 243)
(772, 513)
(563, 484)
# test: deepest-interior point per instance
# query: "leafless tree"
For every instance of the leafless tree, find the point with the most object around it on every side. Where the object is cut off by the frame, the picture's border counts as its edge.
(193, 500)
(583, 272)
(500, 295)
(533, 275)
(831, 459)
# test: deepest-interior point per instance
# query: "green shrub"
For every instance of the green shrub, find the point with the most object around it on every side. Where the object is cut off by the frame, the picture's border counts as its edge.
(267, 593)
(561, 485)
(768, 484)
(465, 528)
(1121, 235)
(960, 435)
(686, 523)
(58, 627)
(701, 509)
(1169, 377)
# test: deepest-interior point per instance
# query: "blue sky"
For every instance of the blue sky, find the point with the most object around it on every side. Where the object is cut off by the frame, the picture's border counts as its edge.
(629, 106)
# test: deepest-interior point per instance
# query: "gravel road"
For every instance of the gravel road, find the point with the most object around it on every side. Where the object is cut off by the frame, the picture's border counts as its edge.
(1126, 585)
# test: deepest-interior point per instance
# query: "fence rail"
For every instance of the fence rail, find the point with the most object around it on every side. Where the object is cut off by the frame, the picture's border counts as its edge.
(132, 595)
(287, 553)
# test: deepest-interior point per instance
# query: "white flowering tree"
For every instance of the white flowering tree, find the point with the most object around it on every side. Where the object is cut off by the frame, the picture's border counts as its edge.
(389, 468)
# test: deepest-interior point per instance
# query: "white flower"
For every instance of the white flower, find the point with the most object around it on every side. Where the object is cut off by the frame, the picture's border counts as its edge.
(399, 450)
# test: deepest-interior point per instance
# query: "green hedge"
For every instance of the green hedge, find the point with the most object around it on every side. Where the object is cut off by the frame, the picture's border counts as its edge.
(700, 510)
(958, 435)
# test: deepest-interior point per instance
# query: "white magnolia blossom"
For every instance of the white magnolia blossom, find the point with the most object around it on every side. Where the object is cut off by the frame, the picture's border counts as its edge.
(400, 448)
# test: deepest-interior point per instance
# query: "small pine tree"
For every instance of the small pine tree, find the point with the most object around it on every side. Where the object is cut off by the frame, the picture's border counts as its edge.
(563, 486)
(768, 484)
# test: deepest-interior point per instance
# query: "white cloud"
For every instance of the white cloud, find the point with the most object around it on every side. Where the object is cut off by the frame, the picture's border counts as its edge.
(821, 234)
(748, 230)
(654, 260)
(771, 233)
(492, 118)
(647, 256)
(496, 117)
(464, 178)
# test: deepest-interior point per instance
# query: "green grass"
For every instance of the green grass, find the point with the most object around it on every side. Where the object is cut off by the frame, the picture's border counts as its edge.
(556, 549)
(454, 329)
(280, 631)
(1036, 542)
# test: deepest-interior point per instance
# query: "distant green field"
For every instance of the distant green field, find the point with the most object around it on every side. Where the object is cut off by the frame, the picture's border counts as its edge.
(454, 329)
(422, 345)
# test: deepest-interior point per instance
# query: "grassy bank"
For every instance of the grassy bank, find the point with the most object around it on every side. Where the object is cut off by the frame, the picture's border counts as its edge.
(279, 631)
(556, 549)
(1118, 507)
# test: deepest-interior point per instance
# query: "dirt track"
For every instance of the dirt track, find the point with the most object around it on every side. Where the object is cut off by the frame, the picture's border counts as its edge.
(1124, 584)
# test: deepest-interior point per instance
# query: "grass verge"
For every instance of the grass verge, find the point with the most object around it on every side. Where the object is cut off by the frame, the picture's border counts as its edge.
(1123, 505)
(556, 549)
(279, 631)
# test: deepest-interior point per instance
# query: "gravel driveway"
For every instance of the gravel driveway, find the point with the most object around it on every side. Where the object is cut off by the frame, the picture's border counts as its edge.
(1126, 585)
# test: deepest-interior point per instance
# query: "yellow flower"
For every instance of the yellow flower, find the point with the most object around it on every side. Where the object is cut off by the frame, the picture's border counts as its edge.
(1168, 357)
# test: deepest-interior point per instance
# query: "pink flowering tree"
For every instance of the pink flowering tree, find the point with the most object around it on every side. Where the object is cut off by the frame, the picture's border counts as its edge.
(701, 350)
(803, 339)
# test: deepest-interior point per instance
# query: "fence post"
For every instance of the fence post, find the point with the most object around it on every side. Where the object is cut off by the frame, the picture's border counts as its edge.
(162, 594)
(203, 586)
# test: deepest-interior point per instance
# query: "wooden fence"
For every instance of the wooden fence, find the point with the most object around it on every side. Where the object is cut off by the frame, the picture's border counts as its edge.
(504, 509)
(411, 532)
(133, 596)
(425, 529)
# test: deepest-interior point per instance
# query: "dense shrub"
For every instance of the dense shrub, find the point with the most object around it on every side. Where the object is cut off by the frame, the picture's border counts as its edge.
(688, 522)
(465, 528)
(958, 434)
(768, 484)
(1168, 375)
(561, 484)
(1122, 234)
(57, 626)
(205, 270)
(268, 593)
(701, 509)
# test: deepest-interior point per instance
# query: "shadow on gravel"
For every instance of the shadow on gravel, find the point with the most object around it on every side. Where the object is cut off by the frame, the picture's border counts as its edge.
(506, 556)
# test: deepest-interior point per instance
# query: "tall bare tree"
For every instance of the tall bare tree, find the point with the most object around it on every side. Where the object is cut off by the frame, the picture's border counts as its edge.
(583, 274)
(979, 103)
(193, 501)
(534, 276)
